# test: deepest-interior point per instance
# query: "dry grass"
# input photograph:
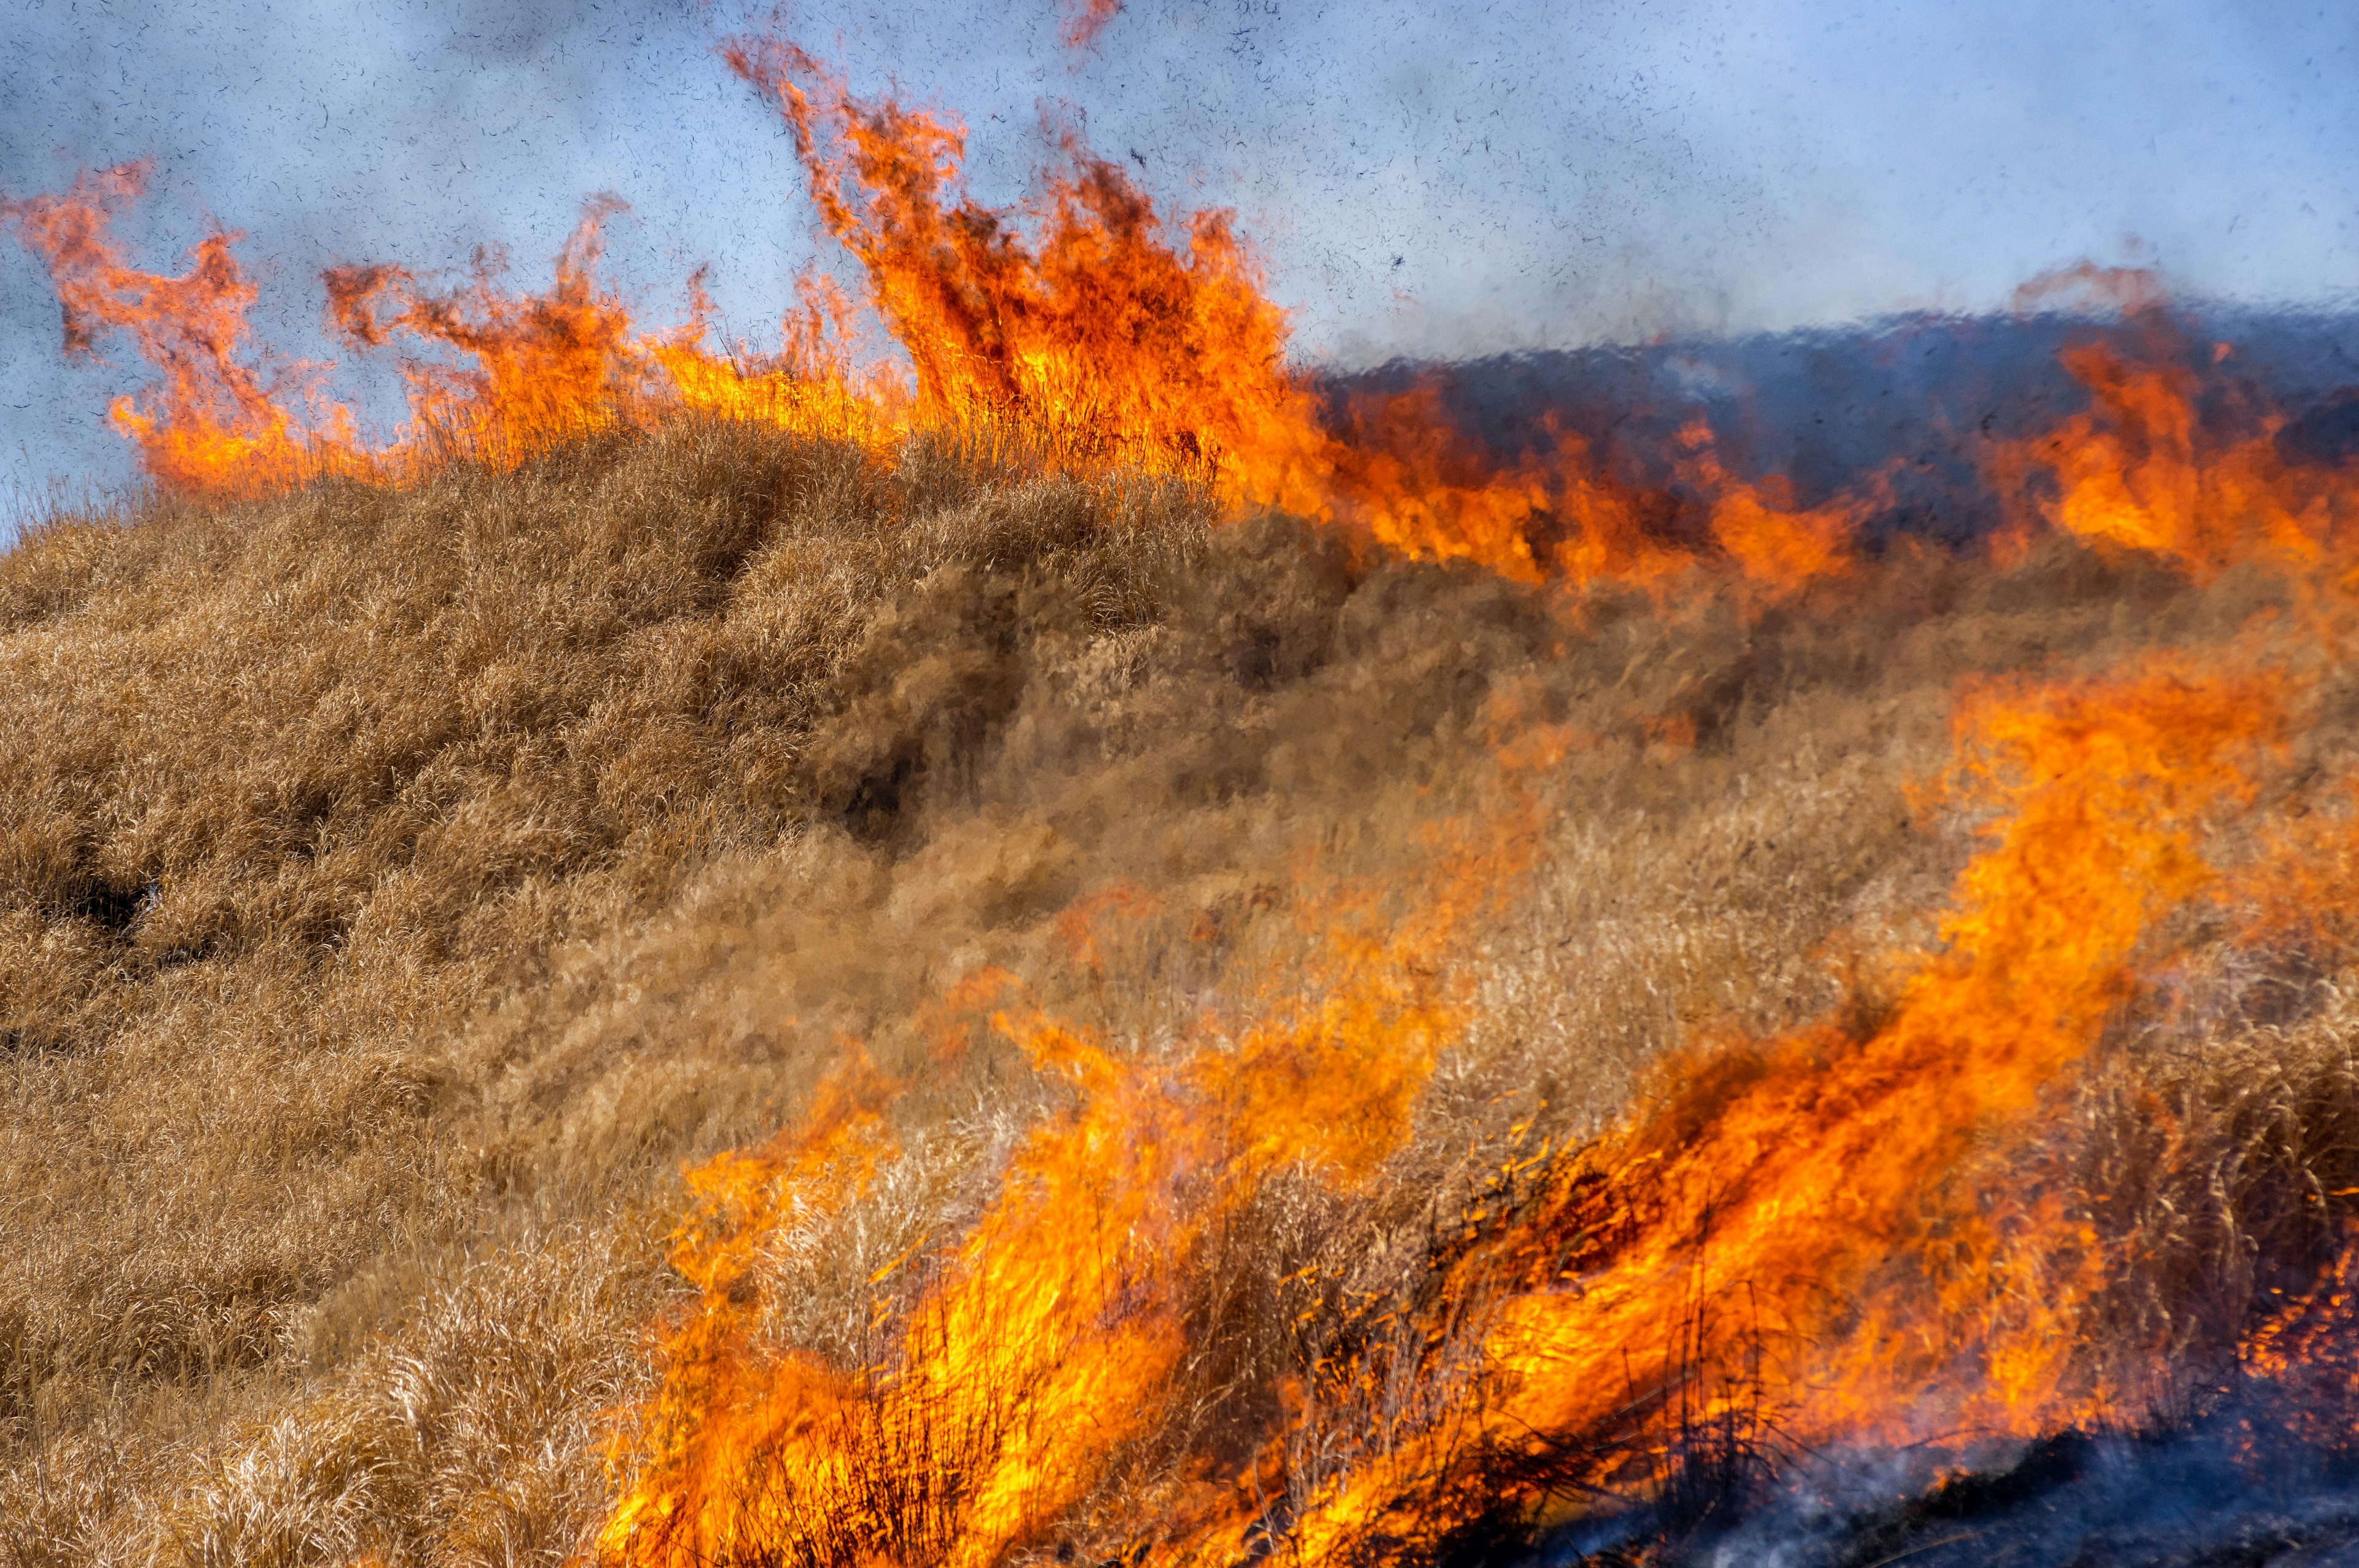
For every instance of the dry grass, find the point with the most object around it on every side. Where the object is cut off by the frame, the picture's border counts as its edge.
(397, 886)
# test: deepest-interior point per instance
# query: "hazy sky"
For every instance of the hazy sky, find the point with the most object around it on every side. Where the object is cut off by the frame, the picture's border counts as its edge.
(1419, 178)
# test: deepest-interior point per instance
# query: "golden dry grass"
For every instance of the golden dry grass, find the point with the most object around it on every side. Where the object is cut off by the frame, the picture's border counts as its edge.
(398, 886)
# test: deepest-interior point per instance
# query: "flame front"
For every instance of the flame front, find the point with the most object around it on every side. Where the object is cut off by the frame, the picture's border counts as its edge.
(1035, 1365)
(1846, 1236)
(1855, 1225)
(1101, 337)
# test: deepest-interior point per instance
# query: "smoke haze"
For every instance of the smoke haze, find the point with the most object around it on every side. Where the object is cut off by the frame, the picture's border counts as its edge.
(1521, 175)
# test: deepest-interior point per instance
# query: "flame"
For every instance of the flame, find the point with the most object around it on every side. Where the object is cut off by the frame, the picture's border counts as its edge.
(1776, 544)
(2149, 468)
(1832, 1192)
(545, 365)
(1842, 1235)
(1108, 336)
(215, 414)
(1039, 1358)
(1124, 346)
(1831, 1234)
(744, 1199)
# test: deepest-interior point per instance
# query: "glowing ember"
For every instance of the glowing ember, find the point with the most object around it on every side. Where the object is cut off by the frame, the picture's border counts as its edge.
(1087, 19)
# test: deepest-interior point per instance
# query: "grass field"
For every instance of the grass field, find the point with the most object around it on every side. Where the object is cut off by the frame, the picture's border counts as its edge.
(401, 885)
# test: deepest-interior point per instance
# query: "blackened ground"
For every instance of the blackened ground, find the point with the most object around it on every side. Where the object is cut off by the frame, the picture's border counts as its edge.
(2211, 1495)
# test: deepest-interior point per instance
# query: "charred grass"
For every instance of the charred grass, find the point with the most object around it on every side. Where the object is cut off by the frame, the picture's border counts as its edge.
(397, 884)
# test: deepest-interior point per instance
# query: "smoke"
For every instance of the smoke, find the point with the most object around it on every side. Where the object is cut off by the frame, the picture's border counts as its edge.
(1420, 183)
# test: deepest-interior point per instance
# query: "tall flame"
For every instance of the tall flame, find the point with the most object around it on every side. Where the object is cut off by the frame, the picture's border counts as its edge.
(1843, 1236)
(1108, 336)
(214, 412)
(1041, 1358)
(1831, 1234)
(1111, 337)
(1104, 333)
(1862, 1204)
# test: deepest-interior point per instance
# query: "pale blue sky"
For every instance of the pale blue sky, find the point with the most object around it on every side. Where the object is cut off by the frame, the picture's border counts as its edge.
(1419, 178)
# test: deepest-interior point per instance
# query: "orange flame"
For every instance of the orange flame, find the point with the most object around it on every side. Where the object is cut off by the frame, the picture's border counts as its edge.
(1106, 337)
(1111, 337)
(2148, 468)
(1840, 1193)
(1125, 349)
(1040, 1358)
(1837, 1189)
(1828, 1189)
(213, 414)
(1776, 544)
(744, 1199)
(544, 365)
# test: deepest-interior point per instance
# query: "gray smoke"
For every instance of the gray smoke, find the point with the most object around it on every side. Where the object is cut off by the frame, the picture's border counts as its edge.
(1421, 180)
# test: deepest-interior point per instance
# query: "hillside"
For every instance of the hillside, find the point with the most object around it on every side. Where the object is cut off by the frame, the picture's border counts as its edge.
(402, 882)
(1073, 943)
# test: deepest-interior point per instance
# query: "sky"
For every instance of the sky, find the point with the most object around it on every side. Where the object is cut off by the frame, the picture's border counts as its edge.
(1417, 179)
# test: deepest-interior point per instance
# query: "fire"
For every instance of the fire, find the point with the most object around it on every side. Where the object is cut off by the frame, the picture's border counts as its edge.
(545, 365)
(1836, 1237)
(214, 412)
(1105, 334)
(745, 1199)
(1039, 1360)
(1108, 336)
(513, 371)
(1774, 543)
(2147, 468)
(1844, 1239)
(1849, 1234)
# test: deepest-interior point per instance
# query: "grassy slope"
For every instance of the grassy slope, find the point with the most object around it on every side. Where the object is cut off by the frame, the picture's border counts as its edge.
(396, 887)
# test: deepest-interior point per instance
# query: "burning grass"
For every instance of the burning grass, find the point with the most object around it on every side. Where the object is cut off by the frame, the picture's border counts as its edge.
(403, 882)
(1079, 955)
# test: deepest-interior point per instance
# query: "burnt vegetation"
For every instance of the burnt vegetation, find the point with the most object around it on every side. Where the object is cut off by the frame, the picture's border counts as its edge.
(401, 882)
